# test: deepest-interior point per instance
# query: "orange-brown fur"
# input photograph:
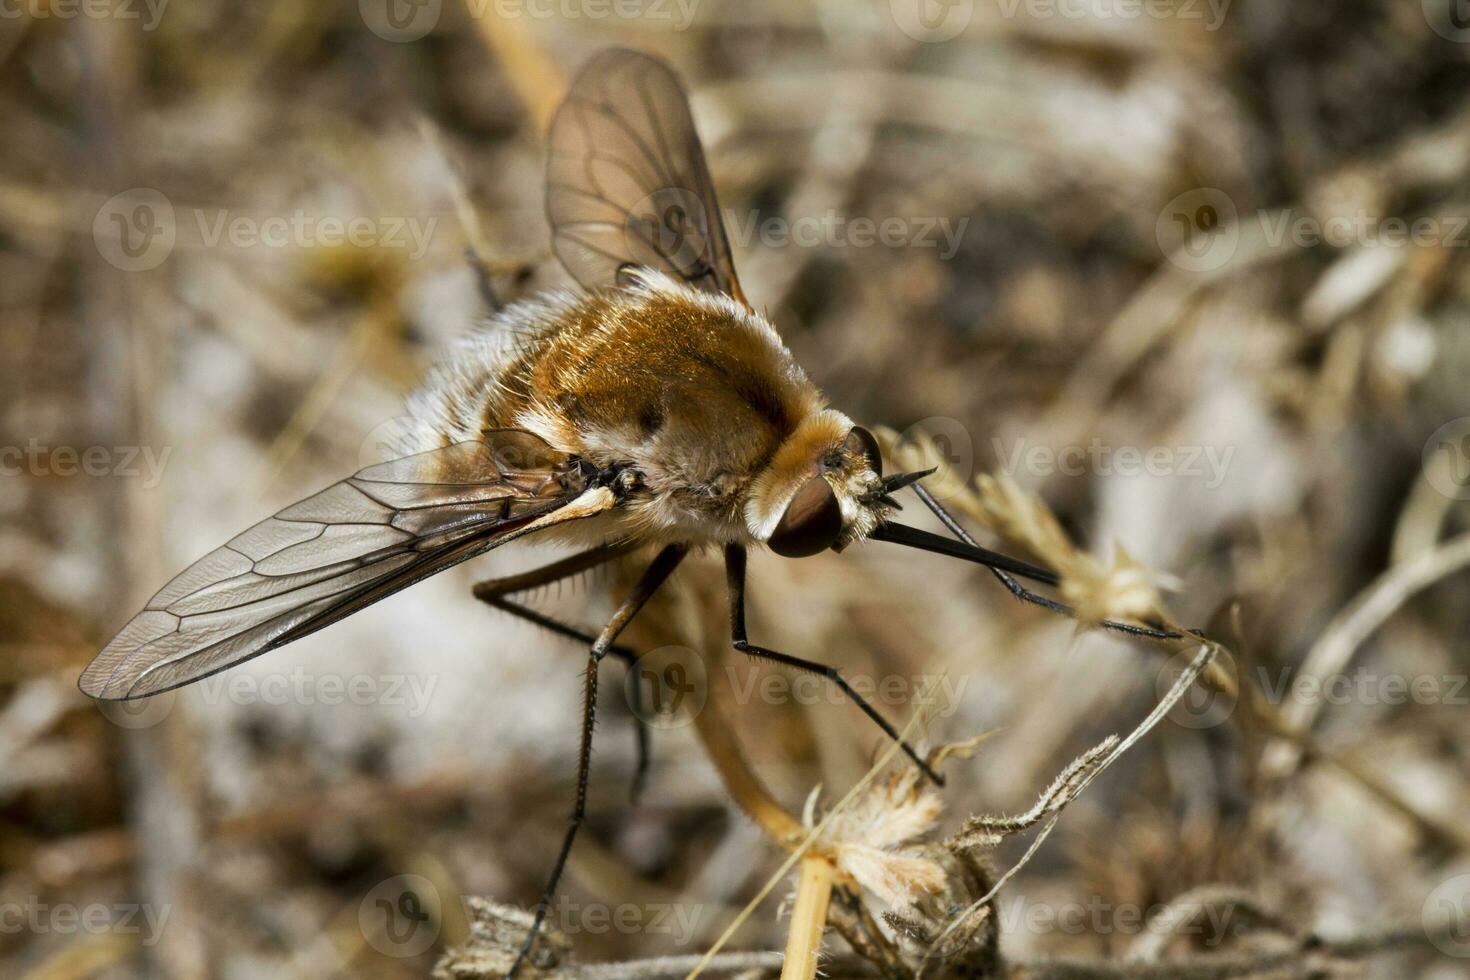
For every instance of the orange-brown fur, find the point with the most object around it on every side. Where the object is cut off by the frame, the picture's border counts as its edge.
(693, 390)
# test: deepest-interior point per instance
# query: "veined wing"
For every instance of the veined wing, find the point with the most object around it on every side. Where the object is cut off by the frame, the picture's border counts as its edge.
(626, 181)
(335, 552)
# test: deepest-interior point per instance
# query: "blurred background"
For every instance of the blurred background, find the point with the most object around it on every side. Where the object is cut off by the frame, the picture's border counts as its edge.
(1194, 271)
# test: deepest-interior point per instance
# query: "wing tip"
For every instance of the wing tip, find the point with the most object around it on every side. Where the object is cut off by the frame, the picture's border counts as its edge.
(99, 682)
(95, 686)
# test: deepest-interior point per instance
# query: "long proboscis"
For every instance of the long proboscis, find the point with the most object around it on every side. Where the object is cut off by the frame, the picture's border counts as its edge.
(912, 537)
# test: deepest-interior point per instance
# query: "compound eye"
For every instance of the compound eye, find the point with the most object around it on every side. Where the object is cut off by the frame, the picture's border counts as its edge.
(861, 441)
(812, 522)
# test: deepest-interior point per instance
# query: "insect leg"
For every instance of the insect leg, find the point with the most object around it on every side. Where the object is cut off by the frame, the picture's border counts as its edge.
(654, 576)
(492, 589)
(735, 577)
(1020, 591)
(494, 592)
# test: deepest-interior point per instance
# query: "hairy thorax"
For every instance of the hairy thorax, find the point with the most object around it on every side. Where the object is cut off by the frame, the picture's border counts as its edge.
(694, 392)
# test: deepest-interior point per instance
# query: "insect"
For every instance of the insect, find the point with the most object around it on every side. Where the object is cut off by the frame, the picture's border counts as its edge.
(657, 410)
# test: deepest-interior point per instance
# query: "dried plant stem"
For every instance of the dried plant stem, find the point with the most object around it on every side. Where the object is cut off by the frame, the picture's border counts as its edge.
(812, 836)
(808, 918)
(1334, 649)
(744, 786)
(534, 78)
(366, 332)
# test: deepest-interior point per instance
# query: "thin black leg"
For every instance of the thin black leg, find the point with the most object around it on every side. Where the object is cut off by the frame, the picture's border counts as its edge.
(1026, 595)
(635, 691)
(735, 577)
(653, 577)
(494, 592)
(488, 295)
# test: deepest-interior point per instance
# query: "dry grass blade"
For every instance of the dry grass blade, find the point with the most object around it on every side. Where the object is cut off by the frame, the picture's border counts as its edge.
(1072, 782)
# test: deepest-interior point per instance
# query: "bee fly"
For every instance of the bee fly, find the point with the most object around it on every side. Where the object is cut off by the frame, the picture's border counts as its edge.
(657, 409)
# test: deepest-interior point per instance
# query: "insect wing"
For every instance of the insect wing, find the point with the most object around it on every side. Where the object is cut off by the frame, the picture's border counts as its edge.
(626, 181)
(333, 553)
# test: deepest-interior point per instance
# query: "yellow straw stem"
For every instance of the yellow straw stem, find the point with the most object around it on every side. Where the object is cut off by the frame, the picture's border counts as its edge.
(808, 918)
